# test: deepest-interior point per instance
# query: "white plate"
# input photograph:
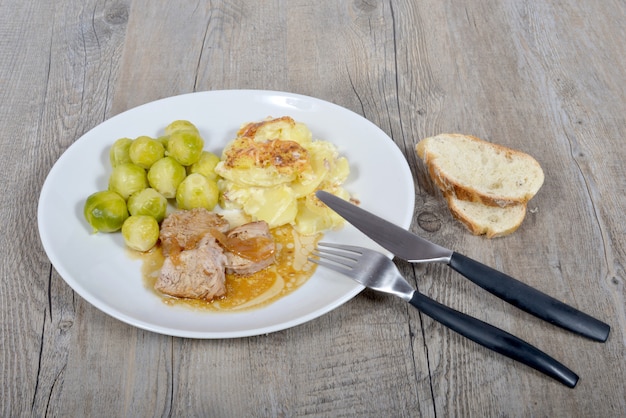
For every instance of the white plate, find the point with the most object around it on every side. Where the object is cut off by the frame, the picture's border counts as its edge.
(98, 267)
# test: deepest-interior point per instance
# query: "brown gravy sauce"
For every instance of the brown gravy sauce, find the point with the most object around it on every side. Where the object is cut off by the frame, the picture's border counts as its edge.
(290, 271)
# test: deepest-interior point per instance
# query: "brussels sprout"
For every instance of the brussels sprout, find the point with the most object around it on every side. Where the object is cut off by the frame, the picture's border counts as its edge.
(119, 152)
(145, 151)
(196, 191)
(105, 211)
(127, 179)
(165, 175)
(185, 147)
(205, 165)
(180, 125)
(140, 232)
(148, 202)
(163, 141)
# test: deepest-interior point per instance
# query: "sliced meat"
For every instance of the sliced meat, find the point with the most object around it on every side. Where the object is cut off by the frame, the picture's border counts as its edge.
(182, 230)
(259, 248)
(197, 273)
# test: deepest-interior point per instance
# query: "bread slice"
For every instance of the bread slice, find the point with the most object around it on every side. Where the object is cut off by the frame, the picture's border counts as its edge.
(479, 171)
(491, 221)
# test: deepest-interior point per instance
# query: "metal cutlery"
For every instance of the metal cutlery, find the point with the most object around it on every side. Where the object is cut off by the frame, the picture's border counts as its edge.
(374, 270)
(412, 248)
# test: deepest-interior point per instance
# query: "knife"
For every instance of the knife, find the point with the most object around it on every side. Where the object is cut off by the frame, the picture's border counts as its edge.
(415, 249)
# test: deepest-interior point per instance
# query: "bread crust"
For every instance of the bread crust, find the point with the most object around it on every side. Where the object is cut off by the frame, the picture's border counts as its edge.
(449, 185)
(479, 226)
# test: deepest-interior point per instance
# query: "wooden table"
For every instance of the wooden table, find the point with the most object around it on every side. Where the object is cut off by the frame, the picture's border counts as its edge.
(545, 77)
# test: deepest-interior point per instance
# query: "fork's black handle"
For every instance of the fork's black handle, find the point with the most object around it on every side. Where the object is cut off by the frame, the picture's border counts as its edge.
(530, 299)
(495, 339)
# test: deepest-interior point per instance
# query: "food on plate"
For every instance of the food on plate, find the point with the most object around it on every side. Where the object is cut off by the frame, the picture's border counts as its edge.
(487, 186)
(145, 151)
(479, 171)
(272, 169)
(195, 273)
(145, 174)
(166, 175)
(264, 183)
(205, 165)
(105, 211)
(140, 232)
(250, 248)
(275, 205)
(199, 249)
(185, 146)
(314, 216)
(120, 152)
(491, 221)
(148, 202)
(197, 191)
(182, 230)
(127, 179)
(180, 125)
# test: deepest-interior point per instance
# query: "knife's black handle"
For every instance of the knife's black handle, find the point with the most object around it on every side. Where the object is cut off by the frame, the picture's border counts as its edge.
(495, 339)
(530, 299)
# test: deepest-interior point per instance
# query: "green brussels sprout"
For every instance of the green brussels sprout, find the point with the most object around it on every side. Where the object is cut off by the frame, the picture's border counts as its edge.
(185, 146)
(196, 191)
(145, 151)
(180, 125)
(127, 179)
(140, 232)
(148, 202)
(165, 175)
(205, 165)
(119, 152)
(163, 141)
(105, 211)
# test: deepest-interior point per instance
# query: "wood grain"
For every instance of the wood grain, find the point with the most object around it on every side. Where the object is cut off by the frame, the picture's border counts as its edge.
(548, 78)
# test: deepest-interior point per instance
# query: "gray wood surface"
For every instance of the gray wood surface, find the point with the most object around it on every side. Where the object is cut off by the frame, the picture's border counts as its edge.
(546, 77)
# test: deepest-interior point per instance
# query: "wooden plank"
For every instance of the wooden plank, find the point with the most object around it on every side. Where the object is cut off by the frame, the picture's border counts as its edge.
(54, 67)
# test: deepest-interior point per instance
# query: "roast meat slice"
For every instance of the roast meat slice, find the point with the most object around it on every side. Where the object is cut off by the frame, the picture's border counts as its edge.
(259, 233)
(182, 230)
(196, 273)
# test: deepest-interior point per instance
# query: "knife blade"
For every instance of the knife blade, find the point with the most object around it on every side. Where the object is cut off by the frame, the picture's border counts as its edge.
(415, 249)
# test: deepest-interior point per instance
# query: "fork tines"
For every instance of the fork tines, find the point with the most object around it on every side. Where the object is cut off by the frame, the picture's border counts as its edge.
(340, 256)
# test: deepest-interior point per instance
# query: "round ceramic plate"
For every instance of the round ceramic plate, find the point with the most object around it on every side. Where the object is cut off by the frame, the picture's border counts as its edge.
(99, 268)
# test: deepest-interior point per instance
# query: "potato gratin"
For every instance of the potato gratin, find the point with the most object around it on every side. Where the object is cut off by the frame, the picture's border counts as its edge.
(271, 171)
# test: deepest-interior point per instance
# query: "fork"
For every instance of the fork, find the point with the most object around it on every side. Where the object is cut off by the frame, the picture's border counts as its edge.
(376, 271)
